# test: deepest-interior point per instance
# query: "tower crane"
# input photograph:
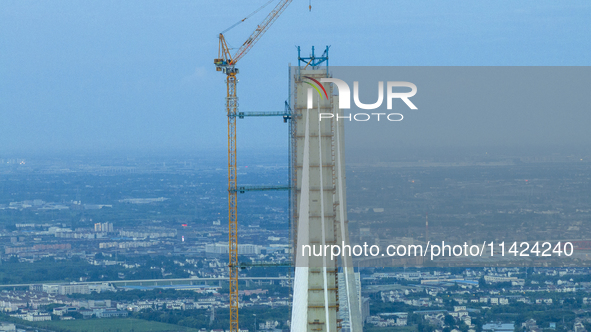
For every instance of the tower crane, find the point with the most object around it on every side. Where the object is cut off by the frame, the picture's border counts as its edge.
(226, 63)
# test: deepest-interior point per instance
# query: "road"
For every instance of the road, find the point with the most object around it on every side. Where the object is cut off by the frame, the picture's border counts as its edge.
(124, 282)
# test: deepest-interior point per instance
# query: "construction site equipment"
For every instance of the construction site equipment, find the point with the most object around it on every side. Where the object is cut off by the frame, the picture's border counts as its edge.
(226, 63)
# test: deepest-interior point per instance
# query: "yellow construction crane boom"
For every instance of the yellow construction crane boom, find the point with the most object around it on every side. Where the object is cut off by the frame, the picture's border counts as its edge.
(225, 58)
(226, 63)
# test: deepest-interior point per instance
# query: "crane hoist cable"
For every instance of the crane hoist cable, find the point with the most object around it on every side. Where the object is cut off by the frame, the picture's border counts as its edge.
(247, 17)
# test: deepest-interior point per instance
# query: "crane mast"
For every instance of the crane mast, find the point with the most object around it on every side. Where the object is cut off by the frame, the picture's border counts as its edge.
(231, 109)
(226, 63)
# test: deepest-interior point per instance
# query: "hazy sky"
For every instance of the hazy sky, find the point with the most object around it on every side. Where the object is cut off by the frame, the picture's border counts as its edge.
(112, 75)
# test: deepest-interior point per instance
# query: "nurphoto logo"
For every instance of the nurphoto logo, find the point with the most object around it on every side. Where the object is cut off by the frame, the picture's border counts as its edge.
(345, 99)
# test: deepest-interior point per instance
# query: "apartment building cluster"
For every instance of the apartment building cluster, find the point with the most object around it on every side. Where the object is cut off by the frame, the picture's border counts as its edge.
(73, 288)
(106, 227)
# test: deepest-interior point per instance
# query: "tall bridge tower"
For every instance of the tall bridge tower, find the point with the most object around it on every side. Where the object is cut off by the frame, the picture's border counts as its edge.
(318, 203)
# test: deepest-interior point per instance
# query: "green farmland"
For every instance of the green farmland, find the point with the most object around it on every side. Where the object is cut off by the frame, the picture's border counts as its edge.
(111, 325)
